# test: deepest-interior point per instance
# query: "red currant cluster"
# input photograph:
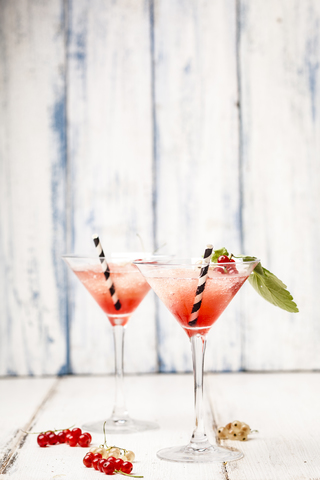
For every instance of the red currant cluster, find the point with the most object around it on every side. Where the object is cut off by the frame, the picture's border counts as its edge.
(72, 437)
(109, 465)
(226, 269)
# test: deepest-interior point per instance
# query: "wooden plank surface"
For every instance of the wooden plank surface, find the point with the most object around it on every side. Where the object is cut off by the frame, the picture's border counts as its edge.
(196, 125)
(279, 57)
(20, 401)
(33, 330)
(122, 117)
(283, 407)
(110, 171)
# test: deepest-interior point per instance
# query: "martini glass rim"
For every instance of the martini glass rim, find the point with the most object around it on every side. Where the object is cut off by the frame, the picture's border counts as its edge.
(114, 256)
(193, 262)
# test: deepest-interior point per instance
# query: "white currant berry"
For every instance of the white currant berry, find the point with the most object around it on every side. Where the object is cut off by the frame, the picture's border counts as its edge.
(245, 428)
(236, 426)
(114, 452)
(232, 435)
(100, 450)
(241, 436)
(106, 453)
(130, 456)
(93, 449)
(222, 432)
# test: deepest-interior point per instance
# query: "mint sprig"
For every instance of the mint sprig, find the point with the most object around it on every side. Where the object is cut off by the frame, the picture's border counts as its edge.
(270, 287)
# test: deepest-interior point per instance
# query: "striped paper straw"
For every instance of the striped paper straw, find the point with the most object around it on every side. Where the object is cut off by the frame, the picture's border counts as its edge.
(106, 272)
(201, 285)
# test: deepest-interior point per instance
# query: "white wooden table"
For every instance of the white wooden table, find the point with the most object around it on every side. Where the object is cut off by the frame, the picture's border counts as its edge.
(283, 407)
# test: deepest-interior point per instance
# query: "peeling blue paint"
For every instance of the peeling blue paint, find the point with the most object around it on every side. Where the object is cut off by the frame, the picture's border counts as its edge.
(312, 65)
(58, 207)
(77, 37)
(187, 68)
(312, 79)
(64, 370)
(81, 54)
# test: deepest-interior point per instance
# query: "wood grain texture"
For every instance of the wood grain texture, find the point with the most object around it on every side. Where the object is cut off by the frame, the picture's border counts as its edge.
(279, 56)
(122, 117)
(32, 192)
(20, 400)
(110, 167)
(284, 408)
(197, 171)
(166, 399)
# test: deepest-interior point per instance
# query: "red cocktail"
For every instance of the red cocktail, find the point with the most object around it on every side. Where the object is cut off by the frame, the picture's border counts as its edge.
(196, 293)
(176, 288)
(129, 284)
(130, 288)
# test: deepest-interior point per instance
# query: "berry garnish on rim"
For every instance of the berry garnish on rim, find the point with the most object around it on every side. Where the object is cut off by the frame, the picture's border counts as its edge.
(264, 282)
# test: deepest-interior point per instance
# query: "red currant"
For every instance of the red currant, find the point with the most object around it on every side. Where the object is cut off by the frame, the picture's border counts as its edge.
(100, 463)
(87, 460)
(220, 270)
(68, 435)
(89, 435)
(52, 438)
(66, 431)
(84, 440)
(97, 455)
(118, 463)
(111, 459)
(232, 268)
(108, 468)
(76, 432)
(73, 440)
(61, 437)
(126, 467)
(42, 440)
(95, 462)
(223, 259)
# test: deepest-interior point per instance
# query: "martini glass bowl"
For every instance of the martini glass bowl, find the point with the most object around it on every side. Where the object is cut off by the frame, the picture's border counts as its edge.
(176, 283)
(131, 288)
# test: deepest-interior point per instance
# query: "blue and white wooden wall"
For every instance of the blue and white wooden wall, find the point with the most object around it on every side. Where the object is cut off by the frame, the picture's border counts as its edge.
(185, 121)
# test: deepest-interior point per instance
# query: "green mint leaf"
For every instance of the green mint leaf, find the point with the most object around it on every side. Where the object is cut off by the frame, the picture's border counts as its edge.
(217, 253)
(272, 289)
(245, 258)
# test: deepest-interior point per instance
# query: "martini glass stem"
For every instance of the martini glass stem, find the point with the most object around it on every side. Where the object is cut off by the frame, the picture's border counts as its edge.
(120, 413)
(199, 440)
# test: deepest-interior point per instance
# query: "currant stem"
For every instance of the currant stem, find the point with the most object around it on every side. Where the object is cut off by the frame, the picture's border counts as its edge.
(45, 431)
(129, 474)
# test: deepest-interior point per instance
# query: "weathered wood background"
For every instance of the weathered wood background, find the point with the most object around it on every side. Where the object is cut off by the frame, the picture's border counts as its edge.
(186, 121)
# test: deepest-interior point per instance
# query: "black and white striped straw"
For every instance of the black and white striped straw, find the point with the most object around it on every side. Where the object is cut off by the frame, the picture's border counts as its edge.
(106, 272)
(201, 285)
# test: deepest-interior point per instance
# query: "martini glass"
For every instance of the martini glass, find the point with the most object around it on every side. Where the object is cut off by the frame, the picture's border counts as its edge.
(176, 285)
(131, 288)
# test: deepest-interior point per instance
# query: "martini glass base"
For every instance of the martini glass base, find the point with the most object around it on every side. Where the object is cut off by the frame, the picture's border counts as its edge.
(190, 455)
(120, 426)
